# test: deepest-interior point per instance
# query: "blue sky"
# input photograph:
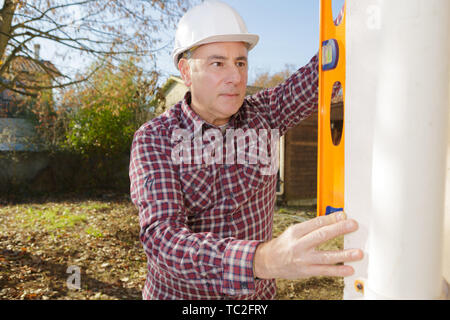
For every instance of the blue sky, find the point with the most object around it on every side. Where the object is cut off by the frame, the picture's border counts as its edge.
(288, 30)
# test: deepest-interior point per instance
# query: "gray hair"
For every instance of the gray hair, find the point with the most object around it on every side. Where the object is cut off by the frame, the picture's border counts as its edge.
(187, 54)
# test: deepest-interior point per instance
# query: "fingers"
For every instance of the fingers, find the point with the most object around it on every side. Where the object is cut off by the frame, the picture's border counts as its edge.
(334, 257)
(329, 271)
(317, 223)
(326, 233)
(293, 253)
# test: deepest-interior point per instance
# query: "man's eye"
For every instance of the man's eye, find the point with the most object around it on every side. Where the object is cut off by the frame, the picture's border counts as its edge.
(241, 64)
(217, 64)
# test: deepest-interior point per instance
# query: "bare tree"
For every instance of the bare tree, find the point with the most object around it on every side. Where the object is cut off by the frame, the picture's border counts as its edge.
(99, 28)
(267, 80)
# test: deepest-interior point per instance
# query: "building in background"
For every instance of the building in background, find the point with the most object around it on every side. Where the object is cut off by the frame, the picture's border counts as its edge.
(20, 159)
(299, 175)
(15, 129)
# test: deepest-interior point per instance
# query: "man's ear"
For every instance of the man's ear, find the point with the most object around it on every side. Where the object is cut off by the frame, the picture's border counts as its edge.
(185, 71)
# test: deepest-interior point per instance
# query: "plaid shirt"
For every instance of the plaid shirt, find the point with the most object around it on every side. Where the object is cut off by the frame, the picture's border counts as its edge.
(201, 223)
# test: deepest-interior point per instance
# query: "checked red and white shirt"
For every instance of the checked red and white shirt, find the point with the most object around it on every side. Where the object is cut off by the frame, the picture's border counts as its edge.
(201, 222)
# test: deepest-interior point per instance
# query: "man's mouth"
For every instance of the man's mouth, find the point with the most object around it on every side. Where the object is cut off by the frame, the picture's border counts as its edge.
(230, 95)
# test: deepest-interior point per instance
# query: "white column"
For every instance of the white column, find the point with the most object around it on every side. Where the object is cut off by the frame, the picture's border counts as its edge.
(397, 95)
(446, 265)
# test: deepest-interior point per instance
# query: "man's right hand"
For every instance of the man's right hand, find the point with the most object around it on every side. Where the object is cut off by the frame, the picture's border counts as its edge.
(293, 254)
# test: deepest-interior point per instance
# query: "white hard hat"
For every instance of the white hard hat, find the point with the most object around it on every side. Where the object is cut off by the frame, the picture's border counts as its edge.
(211, 21)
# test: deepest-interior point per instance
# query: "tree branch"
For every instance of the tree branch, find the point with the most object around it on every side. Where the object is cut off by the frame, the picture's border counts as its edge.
(100, 28)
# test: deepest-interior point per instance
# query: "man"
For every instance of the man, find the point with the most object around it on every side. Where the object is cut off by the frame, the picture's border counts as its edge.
(206, 212)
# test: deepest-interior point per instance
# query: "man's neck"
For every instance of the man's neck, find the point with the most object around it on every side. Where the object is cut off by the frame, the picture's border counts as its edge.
(207, 117)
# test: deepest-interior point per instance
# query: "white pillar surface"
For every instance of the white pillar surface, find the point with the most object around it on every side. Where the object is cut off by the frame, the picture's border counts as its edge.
(446, 265)
(396, 118)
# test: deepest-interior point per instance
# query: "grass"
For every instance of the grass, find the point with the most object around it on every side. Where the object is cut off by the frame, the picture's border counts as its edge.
(50, 219)
(58, 218)
(93, 232)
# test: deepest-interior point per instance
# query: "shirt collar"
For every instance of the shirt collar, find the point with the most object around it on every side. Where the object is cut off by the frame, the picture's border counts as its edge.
(191, 120)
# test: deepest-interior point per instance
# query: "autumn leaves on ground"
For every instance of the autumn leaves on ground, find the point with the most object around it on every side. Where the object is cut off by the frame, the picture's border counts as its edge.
(44, 242)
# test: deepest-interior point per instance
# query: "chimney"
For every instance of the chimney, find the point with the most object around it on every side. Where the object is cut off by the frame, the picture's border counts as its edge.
(37, 49)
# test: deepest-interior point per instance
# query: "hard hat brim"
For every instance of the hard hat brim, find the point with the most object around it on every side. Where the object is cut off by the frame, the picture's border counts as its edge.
(251, 39)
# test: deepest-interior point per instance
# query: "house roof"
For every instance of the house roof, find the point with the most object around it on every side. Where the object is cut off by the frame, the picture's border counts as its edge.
(28, 65)
(169, 82)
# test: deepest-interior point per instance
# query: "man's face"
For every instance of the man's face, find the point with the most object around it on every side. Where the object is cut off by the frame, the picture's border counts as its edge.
(217, 77)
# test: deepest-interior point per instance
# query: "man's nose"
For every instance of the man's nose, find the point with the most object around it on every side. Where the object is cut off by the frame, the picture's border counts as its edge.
(233, 75)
